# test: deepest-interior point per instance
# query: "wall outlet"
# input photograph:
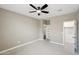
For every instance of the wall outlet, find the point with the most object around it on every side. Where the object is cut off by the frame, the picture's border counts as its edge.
(18, 41)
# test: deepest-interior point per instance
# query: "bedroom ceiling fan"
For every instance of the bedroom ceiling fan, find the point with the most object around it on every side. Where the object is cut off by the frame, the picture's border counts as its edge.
(39, 10)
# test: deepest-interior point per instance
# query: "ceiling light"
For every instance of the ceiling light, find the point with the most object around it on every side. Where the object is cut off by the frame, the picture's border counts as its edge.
(38, 11)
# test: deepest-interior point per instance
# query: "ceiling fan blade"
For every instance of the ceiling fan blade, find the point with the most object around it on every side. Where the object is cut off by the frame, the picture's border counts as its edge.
(31, 11)
(33, 6)
(45, 11)
(43, 7)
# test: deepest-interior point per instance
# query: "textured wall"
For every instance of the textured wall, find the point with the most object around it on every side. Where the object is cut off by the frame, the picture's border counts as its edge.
(16, 29)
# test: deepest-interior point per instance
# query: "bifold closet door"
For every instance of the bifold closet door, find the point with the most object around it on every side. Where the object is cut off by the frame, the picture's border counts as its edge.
(70, 36)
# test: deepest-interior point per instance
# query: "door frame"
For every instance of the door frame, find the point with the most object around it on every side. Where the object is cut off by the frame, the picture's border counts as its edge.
(76, 30)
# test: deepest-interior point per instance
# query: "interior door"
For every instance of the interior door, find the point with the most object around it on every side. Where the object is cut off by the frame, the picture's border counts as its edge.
(70, 36)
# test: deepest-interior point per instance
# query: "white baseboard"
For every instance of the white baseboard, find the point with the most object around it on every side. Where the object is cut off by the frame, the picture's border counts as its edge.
(6, 50)
(56, 43)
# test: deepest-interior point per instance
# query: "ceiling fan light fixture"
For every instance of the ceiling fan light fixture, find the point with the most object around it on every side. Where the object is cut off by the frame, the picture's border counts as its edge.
(38, 11)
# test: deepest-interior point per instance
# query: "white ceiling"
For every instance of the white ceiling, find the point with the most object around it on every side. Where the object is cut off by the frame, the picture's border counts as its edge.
(54, 9)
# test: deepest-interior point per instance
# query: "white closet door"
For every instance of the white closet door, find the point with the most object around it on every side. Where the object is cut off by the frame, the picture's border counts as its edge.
(70, 36)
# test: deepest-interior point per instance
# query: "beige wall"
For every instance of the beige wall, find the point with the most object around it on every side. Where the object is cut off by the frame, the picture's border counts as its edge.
(56, 27)
(15, 28)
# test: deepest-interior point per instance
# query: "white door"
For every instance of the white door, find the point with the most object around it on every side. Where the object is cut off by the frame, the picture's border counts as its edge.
(70, 36)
